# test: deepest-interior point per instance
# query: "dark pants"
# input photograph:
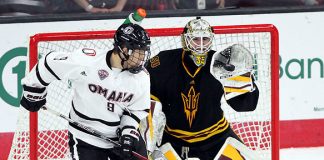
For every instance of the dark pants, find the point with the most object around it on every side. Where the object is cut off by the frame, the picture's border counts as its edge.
(85, 151)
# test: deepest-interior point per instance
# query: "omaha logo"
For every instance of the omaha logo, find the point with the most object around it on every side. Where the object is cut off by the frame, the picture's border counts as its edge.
(103, 74)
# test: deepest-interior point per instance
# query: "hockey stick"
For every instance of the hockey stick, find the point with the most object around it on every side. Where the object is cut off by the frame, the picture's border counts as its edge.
(91, 130)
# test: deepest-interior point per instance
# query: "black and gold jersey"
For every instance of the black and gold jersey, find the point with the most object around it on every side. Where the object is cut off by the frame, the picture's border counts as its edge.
(191, 98)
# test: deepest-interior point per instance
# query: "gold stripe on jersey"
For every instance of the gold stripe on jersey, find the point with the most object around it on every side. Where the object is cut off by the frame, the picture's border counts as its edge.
(204, 134)
(184, 66)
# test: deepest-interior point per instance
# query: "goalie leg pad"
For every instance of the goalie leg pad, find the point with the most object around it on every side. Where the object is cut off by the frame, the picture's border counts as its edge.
(233, 149)
(169, 152)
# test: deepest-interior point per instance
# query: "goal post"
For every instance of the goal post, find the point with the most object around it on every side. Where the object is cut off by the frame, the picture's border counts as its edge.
(40, 135)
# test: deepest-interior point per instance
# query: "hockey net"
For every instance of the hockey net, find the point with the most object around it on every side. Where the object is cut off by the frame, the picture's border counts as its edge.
(43, 135)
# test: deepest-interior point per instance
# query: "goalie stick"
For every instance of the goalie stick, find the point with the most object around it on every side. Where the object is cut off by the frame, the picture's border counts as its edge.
(91, 130)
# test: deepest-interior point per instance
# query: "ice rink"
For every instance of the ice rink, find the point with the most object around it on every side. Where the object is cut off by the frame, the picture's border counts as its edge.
(315, 153)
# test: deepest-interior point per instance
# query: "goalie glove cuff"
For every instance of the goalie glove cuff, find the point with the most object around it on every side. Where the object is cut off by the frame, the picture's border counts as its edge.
(235, 86)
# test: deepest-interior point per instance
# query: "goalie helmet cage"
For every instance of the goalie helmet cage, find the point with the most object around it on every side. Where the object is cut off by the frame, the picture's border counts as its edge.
(45, 136)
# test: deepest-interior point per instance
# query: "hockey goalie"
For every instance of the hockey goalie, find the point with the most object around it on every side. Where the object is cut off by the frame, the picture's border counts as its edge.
(189, 84)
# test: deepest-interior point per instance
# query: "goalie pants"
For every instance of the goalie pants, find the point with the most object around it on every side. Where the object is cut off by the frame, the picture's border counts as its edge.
(81, 150)
(204, 152)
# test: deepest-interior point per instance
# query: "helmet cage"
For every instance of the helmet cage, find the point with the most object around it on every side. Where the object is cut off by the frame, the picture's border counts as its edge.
(199, 42)
(138, 58)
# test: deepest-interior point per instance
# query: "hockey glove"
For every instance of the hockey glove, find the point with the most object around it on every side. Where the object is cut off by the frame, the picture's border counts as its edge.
(233, 67)
(33, 98)
(128, 140)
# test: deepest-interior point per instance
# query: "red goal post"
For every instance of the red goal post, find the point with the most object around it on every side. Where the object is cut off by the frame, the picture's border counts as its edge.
(259, 129)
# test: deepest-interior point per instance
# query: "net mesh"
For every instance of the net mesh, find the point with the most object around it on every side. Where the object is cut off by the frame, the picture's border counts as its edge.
(254, 128)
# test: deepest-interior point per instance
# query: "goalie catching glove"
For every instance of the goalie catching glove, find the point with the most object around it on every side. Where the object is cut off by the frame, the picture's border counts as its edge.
(33, 98)
(233, 67)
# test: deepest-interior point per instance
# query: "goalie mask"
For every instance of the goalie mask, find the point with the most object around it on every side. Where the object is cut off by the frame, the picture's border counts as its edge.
(197, 37)
(137, 42)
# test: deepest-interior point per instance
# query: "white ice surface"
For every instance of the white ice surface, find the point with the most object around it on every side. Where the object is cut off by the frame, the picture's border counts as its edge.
(313, 153)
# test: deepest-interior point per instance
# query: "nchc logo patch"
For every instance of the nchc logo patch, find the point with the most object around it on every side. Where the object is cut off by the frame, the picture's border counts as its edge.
(103, 74)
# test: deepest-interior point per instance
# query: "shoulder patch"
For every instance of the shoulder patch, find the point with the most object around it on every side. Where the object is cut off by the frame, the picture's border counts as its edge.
(155, 61)
(89, 52)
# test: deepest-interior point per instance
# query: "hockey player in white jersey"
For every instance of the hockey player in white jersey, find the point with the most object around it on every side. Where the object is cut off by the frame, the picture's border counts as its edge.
(111, 92)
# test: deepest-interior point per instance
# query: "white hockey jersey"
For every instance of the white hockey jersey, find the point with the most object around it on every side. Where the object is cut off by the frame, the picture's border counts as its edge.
(105, 98)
